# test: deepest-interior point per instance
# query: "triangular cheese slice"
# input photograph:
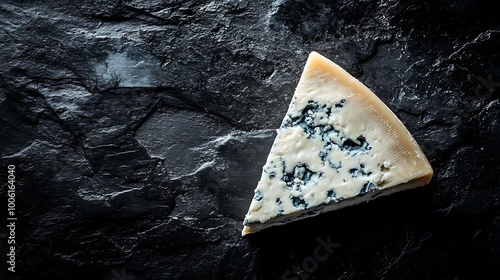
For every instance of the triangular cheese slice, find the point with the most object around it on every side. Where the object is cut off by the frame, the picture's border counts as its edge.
(338, 145)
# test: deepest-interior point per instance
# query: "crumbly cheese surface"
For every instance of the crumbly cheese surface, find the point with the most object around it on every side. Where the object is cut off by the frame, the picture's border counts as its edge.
(338, 142)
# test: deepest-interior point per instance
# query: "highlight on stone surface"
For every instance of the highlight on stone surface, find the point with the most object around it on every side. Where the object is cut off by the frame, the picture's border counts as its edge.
(338, 145)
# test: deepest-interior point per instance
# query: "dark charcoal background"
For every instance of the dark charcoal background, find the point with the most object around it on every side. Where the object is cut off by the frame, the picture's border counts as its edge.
(139, 128)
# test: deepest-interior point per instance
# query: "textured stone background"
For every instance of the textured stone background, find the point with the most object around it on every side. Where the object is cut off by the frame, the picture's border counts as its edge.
(138, 130)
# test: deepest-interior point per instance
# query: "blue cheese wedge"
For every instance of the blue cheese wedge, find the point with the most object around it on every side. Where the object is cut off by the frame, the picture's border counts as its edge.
(337, 146)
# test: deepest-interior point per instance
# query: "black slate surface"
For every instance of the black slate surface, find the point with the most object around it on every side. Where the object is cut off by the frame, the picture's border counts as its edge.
(138, 130)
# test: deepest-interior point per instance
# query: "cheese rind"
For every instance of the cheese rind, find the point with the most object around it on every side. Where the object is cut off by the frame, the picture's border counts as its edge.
(338, 145)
